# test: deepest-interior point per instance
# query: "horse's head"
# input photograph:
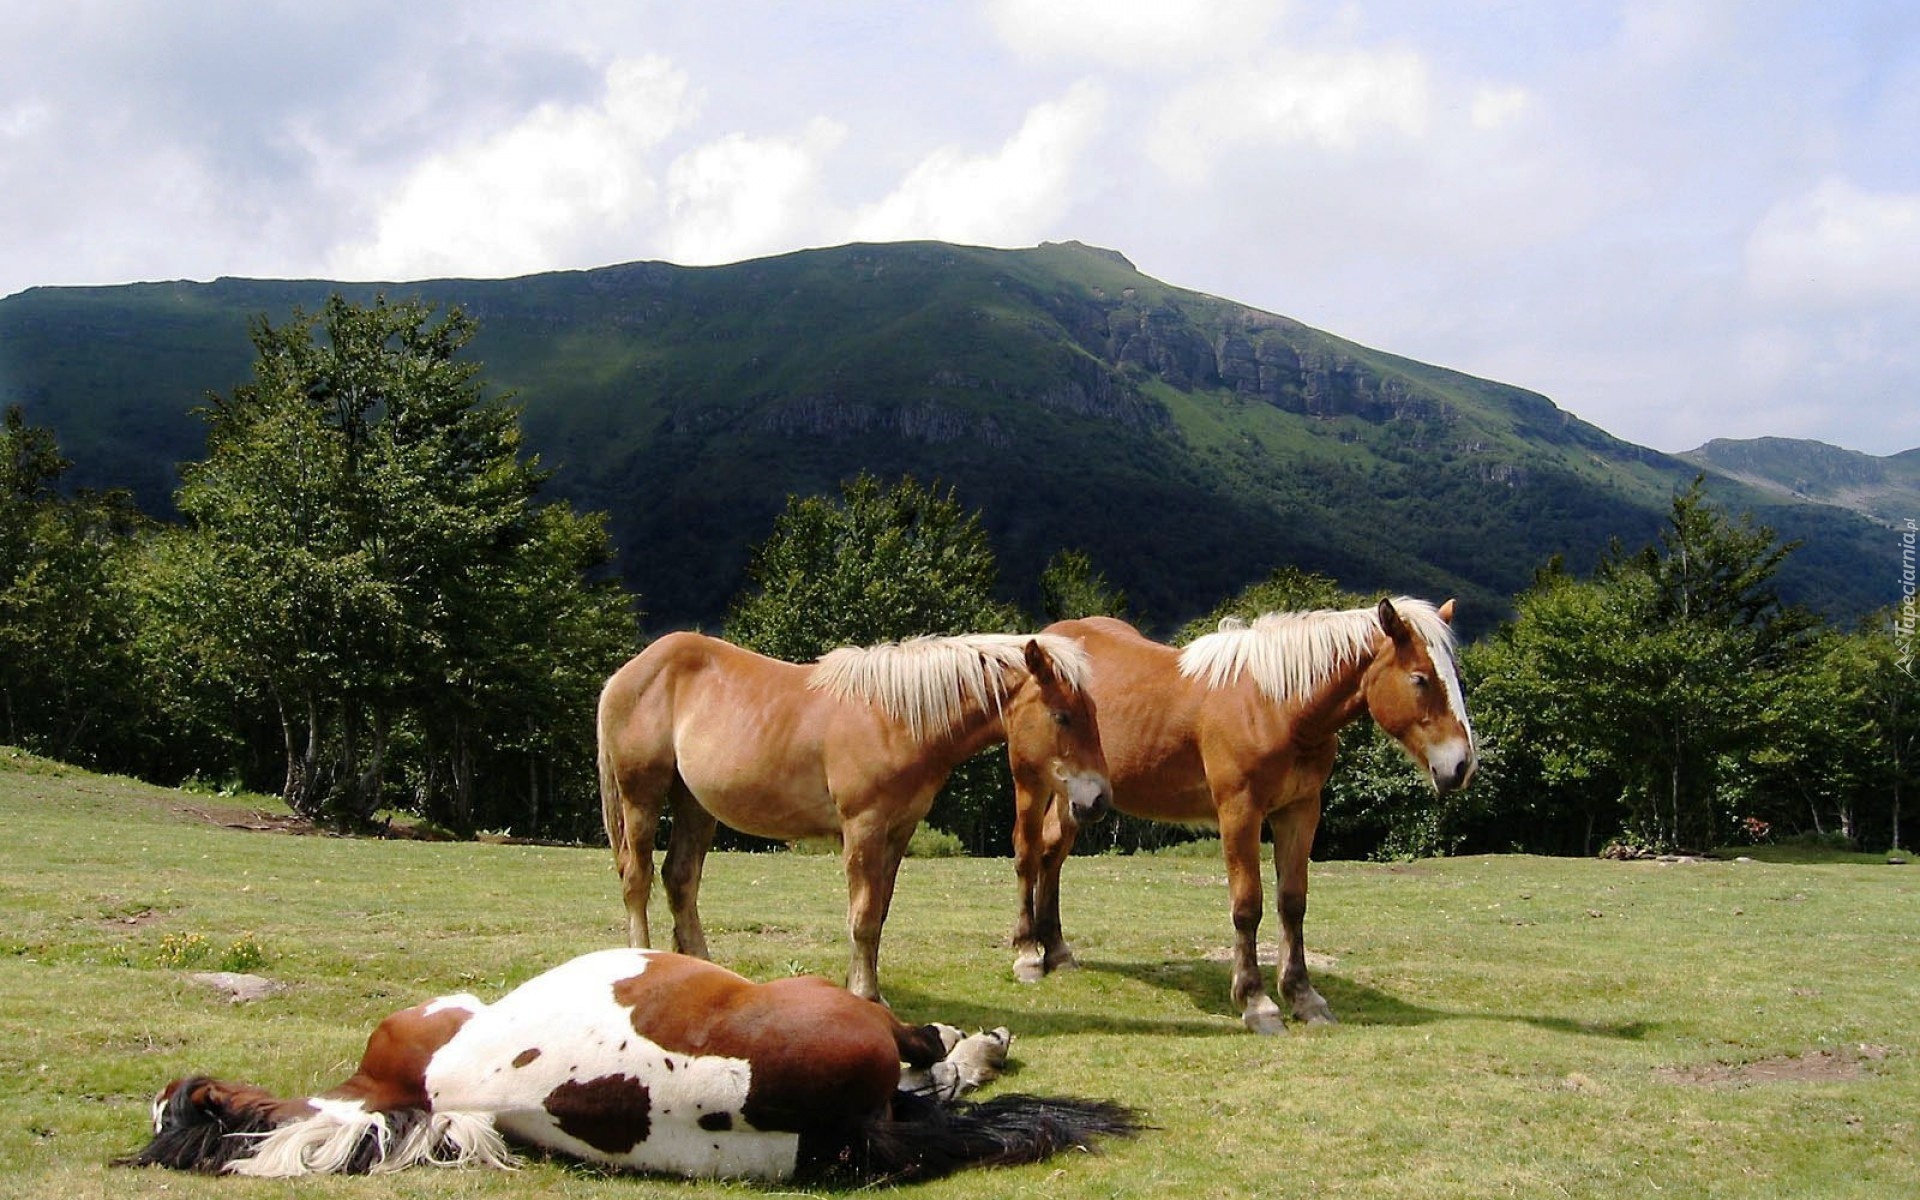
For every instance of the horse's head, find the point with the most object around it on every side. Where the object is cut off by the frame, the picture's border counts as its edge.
(1053, 735)
(1412, 690)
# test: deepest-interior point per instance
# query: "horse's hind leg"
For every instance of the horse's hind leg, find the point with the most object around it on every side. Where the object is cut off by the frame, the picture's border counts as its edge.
(687, 845)
(641, 796)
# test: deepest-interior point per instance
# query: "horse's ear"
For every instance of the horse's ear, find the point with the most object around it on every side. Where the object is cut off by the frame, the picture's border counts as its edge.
(1392, 625)
(1446, 611)
(1039, 664)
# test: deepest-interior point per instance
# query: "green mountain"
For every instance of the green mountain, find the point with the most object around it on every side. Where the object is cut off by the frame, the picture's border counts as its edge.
(1188, 443)
(1885, 489)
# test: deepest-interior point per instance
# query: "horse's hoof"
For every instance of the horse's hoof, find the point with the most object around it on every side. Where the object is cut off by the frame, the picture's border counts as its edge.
(1263, 1017)
(1313, 1010)
(1029, 968)
(982, 1056)
(1062, 961)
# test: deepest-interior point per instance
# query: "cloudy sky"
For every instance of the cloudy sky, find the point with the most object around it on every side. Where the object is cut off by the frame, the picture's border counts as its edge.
(1680, 220)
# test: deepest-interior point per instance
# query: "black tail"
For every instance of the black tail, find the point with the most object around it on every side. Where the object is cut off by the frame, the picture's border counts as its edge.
(925, 1139)
(195, 1135)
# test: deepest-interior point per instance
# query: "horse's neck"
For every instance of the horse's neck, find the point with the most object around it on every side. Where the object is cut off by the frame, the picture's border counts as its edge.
(1336, 703)
(981, 725)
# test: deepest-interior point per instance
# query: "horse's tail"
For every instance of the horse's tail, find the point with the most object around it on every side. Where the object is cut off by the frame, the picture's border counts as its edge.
(612, 805)
(925, 1139)
(208, 1126)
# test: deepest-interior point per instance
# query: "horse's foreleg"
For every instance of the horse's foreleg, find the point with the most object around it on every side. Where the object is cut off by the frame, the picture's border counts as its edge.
(872, 857)
(1060, 830)
(1240, 844)
(687, 846)
(1293, 828)
(1041, 842)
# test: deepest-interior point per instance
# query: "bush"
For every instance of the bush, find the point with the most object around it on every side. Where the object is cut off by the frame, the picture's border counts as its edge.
(928, 842)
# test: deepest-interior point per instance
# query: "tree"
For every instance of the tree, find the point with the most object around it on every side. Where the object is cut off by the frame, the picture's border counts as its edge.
(1633, 696)
(880, 564)
(1070, 587)
(1285, 589)
(364, 556)
(63, 625)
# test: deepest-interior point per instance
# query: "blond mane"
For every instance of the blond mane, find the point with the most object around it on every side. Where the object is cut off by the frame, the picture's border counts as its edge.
(1290, 654)
(927, 682)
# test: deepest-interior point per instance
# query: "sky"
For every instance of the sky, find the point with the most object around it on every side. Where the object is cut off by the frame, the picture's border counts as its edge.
(1679, 221)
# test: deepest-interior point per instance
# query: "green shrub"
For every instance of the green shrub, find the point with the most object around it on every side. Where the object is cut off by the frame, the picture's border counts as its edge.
(929, 842)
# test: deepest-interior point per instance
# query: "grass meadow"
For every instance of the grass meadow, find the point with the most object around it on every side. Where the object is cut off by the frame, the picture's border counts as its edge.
(1511, 1026)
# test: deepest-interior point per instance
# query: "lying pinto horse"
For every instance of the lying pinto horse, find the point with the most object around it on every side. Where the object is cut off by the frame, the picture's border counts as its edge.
(647, 1061)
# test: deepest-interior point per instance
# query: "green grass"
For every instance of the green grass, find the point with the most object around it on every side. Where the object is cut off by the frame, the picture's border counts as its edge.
(1512, 1026)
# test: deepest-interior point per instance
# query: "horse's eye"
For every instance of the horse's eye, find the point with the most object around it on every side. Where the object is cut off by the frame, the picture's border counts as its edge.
(1419, 680)
(1062, 717)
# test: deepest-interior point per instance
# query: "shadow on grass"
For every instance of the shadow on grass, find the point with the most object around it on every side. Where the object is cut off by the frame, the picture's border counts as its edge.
(1208, 985)
(913, 1005)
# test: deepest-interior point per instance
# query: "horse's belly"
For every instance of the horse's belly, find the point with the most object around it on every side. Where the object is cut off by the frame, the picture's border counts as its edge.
(789, 803)
(673, 1144)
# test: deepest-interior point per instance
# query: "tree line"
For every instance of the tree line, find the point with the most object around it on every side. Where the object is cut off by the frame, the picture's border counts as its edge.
(365, 606)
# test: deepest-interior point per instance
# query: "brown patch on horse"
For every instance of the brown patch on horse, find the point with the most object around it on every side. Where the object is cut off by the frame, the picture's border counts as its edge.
(526, 1056)
(613, 1113)
(393, 1071)
(846, 1062)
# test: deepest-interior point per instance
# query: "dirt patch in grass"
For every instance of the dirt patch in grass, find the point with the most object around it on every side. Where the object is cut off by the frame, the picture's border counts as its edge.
(1813, 1066)
(1269, 956)
(248, 819)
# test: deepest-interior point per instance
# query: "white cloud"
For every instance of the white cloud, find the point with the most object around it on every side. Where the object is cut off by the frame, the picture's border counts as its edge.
(1837, 244)
(1149, 34)
(563, 187)
(1497, 107)
(740, 197)
(1331, 101)
(24, 118)
(1008, 197)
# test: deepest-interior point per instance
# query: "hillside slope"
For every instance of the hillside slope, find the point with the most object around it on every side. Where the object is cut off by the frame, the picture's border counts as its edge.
(1188, 443)
(1885, 489)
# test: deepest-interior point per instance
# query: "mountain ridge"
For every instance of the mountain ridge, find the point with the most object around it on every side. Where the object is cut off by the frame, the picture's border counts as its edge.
(1187, 442)
(1885, 488)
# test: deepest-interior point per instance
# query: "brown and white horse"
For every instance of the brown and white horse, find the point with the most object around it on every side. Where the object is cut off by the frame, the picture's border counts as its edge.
(856, 746)
(1239, 730)
(646, 1061)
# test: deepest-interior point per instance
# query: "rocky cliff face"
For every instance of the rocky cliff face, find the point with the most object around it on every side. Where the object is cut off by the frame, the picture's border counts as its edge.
(1245, 352)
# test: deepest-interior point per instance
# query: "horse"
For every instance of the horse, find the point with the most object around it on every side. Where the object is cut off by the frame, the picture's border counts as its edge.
(640, 1060)
(1240, 729)
(856, 745)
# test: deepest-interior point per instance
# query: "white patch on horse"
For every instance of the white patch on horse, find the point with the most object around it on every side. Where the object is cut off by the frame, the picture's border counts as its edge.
(583, 1036)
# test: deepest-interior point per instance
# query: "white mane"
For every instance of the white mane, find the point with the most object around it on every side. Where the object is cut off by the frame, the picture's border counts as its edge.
(1289, 654)
(926, 682)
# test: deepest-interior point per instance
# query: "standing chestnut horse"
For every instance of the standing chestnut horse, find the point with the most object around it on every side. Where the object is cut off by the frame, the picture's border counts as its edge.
(1240, 729)
(856, 745)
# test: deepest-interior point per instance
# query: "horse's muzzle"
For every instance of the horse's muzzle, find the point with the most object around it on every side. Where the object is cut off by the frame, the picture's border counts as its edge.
(1450, 774)
(1089, 805)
